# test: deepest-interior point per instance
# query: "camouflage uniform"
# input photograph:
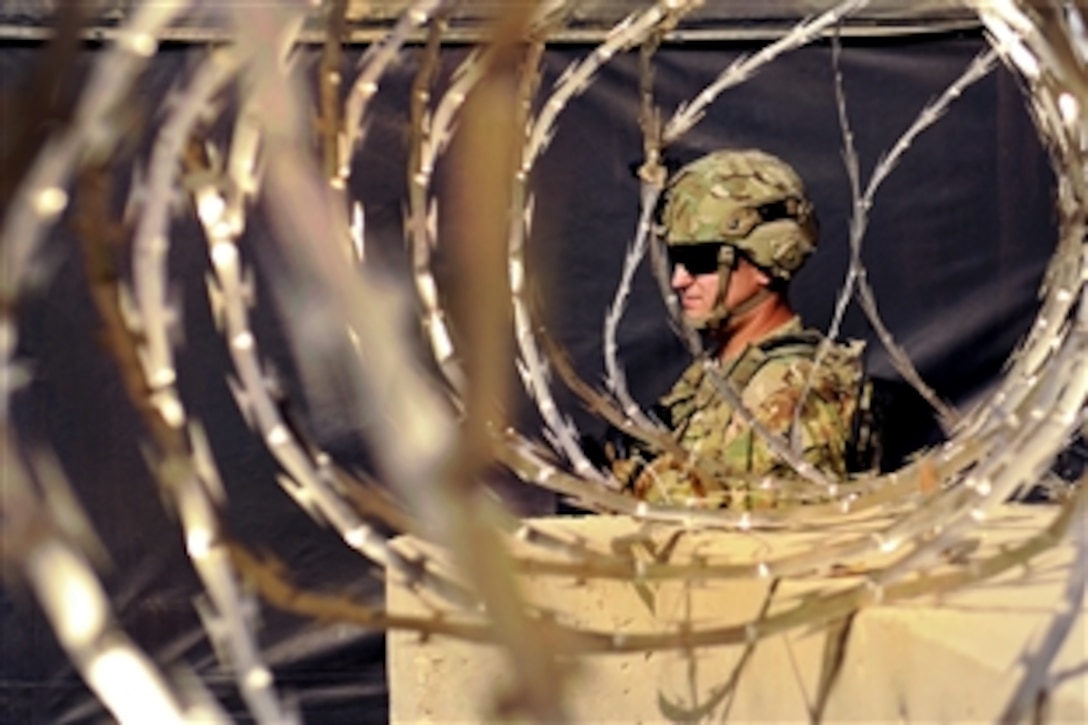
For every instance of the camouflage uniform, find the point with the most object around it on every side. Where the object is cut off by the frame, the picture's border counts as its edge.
(753, 205)
(727, 458)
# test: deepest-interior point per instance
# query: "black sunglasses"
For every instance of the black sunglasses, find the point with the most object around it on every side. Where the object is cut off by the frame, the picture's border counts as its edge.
(702, 258)
(696, 258)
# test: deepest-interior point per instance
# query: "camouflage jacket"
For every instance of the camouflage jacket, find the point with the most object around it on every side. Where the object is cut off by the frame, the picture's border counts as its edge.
(727, 459)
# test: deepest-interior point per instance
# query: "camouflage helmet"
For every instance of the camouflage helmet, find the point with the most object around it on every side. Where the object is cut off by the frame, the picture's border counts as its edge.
(748, 199)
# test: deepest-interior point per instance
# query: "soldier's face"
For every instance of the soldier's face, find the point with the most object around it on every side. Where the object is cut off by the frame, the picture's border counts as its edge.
(696, 293)
(699, 292)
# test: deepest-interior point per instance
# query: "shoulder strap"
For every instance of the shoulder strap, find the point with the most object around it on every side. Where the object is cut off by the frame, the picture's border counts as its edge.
(802, 344)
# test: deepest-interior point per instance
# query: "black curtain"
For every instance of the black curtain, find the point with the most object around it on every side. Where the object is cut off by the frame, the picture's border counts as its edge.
(957, 244)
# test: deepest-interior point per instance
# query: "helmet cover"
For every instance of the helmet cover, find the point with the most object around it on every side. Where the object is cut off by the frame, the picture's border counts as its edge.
(747, 199)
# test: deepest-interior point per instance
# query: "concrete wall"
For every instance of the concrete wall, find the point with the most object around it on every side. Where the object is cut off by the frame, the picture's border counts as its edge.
(954, 660)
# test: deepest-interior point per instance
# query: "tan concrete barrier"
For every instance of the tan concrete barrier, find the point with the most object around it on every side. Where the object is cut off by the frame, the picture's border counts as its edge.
(952, 660)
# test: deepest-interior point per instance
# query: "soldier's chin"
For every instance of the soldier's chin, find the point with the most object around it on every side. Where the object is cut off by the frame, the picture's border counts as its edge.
(696, 322)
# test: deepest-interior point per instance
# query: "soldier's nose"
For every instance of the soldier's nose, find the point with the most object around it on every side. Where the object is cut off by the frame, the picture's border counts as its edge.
(680, 276)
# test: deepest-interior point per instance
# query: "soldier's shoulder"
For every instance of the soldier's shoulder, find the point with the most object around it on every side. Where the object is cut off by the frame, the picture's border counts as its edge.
(778, 373)
(804, 345)
(788, 366)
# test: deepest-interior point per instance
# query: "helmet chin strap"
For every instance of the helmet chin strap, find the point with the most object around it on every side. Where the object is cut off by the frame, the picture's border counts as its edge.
(720, 313)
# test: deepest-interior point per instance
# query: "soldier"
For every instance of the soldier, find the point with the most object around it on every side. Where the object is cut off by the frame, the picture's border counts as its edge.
(738, 225)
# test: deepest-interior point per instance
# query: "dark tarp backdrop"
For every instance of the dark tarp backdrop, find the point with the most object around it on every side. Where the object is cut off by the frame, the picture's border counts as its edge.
(959, 238)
